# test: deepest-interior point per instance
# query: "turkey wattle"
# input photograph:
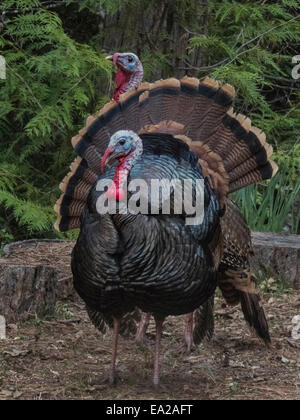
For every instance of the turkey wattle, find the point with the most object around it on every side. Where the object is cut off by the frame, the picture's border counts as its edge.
(123, 263)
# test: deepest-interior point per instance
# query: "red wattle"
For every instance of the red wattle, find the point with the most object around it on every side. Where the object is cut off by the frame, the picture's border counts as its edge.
(122, 79)
(117, 194)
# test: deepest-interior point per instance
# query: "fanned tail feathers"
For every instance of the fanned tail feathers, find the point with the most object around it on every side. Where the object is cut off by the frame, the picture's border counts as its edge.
(232, 152)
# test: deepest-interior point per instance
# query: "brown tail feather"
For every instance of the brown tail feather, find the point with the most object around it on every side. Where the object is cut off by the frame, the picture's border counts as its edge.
(75, 187)
(212, 109)
(187, 103)
(163, 100)
(255, 315)
(261, 173)
(75, 207)
(145, 117)
(129, 107)
(167, 127)
(260, 158)
(65, 223)
(111, 117)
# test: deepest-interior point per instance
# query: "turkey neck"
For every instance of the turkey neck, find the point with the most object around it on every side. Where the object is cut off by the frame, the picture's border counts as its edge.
(136, 78)
(127, 81)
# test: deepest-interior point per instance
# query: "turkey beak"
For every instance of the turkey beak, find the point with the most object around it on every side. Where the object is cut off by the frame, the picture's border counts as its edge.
(107, 157)
(113, 58)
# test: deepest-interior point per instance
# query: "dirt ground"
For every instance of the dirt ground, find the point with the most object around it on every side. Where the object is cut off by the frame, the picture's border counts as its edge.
(60, 358)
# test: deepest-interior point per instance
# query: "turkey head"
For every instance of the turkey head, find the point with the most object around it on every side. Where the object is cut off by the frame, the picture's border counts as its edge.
(126, 147)
(130, 72)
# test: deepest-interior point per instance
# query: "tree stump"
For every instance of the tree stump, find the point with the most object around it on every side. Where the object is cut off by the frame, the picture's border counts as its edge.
(26, 289)
(33, 276)
(278, 253)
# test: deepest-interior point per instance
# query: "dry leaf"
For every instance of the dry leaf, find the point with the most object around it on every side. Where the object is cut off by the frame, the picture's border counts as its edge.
(16, 352)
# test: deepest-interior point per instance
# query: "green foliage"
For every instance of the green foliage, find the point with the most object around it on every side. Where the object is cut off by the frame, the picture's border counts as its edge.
(62, 311)
(57, 76)
(271, 282)
(5, 237)
(26, 213)
(111, 6)
(52, 85)
(272, 206)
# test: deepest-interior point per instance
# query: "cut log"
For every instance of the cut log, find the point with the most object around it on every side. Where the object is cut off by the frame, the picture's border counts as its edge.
(279, 254)
(33, 276)
(26, 290)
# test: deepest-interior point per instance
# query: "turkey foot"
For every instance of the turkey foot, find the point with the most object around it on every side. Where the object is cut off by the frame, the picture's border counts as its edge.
(159, 327)
(187, 345)
(106, 380)
(143, 325)
(184, 348)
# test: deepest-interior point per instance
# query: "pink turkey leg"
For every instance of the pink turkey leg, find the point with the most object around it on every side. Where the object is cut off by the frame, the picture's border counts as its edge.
(112, 374)
(143, 325)
(188, 332)
(159, 327)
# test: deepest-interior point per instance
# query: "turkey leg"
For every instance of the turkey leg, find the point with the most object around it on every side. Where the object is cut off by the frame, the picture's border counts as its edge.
(159, 327)
(188, 332)
(143, 325)
(112, 373)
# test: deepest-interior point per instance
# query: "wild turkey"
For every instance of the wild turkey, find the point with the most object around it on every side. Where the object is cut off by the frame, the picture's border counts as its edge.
(125, 263)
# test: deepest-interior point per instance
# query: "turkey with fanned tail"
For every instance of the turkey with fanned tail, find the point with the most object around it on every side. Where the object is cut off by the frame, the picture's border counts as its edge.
(127, 262)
